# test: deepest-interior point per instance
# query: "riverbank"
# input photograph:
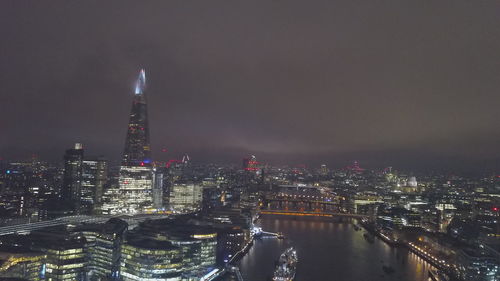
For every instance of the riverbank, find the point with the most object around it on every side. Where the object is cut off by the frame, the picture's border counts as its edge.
(231, 264)
(328, 250)
(424, 254)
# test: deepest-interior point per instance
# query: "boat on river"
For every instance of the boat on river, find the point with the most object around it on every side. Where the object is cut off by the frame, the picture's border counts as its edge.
(287, 266)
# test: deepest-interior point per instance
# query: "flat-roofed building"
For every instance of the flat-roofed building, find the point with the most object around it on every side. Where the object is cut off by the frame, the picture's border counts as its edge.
(149, 259)
(186, 197)
(65, 260)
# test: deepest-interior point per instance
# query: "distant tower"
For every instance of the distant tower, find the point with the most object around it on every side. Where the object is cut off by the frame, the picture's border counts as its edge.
(136, 173)
(324, 170)
(186, 160)
(72, 179)
(355, 167)
(250, 164)
(137, 150)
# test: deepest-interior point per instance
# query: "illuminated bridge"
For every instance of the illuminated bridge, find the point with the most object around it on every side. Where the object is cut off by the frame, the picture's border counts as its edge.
(311, 214)
(304, 199)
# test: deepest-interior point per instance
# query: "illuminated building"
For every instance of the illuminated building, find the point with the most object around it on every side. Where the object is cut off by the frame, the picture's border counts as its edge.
(65, 261)
(136, 174)
(355, 167)
(431, 219)
(27, 265)
(13, 185)
(158, 190)
(105, 254)
(149, 259)
(197, 245)
(110, 200)
(477, 265)
(135, 189)
(250, 164)
(412, 181)
(186, 198)
(233, 231)
(230, 241)
(72, 180)
(93, 180)
(199, 251)
(324, 171)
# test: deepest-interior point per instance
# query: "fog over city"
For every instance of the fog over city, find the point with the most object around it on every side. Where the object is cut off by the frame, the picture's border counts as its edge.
(409, 83)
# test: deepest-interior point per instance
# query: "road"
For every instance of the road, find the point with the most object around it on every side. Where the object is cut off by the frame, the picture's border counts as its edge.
(28, 227)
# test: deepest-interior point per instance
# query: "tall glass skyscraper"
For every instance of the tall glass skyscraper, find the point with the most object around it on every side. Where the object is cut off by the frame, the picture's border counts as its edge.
(137, 151)
(95, 174)
(136, 172)
(72, 180)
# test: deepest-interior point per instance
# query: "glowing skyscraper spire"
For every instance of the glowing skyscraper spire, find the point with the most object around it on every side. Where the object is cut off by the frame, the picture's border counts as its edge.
(140, 84)
(136, 171)
(137, 151)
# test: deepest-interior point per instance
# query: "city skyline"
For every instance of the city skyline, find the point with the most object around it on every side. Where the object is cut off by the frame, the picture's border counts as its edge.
(382, 93)
(249, 141)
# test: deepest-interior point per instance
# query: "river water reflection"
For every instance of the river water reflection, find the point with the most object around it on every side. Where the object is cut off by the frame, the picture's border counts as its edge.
(329, 251)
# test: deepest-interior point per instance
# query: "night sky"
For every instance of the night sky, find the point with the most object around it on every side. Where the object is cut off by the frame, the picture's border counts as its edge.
(412, 84)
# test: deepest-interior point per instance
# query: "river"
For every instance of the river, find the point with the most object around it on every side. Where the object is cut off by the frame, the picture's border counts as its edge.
(329, 251)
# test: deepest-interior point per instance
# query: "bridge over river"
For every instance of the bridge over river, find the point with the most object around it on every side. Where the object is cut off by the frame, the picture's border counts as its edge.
(312, 214)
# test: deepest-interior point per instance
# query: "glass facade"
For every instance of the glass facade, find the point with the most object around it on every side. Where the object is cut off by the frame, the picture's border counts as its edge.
(136, 189)
(93, 180)
(72, 179)
(186, 198)
(151, 260)
(65, 264)
(136, 174)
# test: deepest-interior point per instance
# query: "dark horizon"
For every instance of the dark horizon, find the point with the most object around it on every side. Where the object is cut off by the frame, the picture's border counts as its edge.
(389, 84)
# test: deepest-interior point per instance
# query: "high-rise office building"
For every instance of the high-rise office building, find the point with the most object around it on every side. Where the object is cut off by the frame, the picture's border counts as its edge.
(105, 254)
(186, 198)
(323, 170)
(158, 189)
(95, 173)
(136, 173)
(65, 260)
(137, 150)
(72, 180)
(101, 180)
